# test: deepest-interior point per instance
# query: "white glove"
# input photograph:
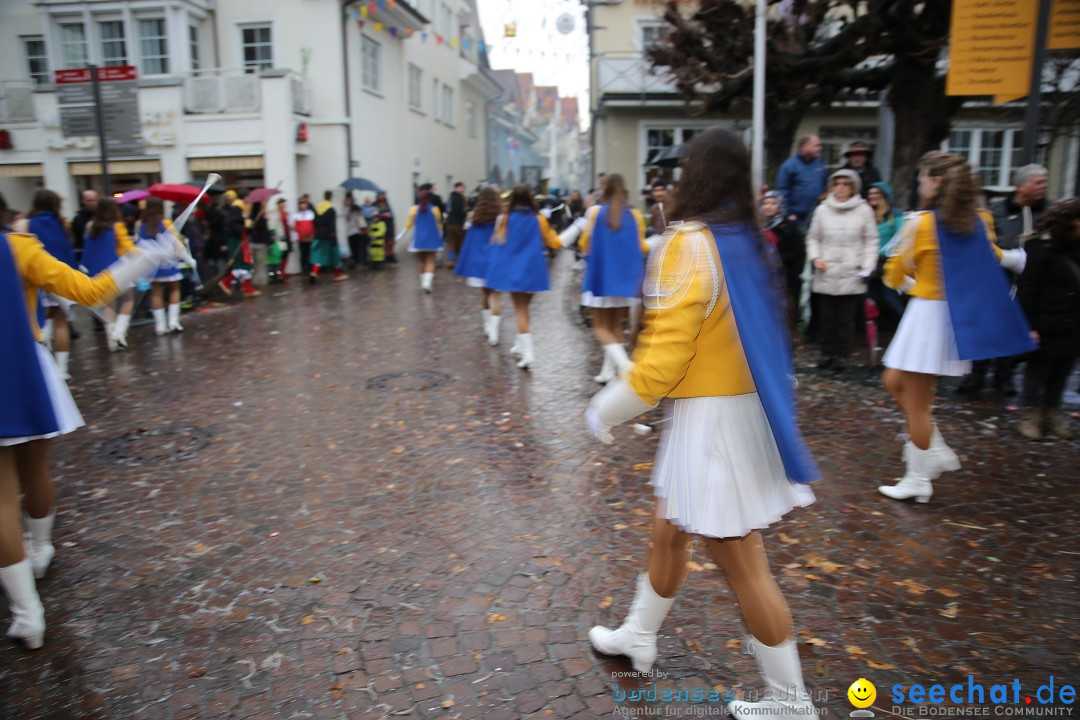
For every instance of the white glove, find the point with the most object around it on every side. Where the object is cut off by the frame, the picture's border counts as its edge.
(909, 282)
(570, 235)
(613, 405)
(142, 263)
(1014, 260)
(546, 212)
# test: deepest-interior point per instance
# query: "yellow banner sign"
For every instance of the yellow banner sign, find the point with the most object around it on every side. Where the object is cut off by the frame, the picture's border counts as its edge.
(991, 44)
(1064, 25)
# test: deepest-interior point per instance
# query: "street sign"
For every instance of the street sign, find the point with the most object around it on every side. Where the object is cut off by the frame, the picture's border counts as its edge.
(119, 107)
(991, 43)
(1064, 25)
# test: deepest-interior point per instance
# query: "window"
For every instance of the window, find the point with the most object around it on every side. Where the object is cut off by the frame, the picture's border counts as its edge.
(113, 46)
(154, 45)
(834, 142)
(470, 118)
(193, 44)
(37, 62)
(445, 25)
(652, 33)
(435, 99)
(257, 48)
(448, 105)
(994, 152)
(73, 42)
(369, 51)
(657, 140)
(416, 88)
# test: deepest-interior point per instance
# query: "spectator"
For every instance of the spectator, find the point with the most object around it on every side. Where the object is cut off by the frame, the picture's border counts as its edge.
(239, 249)
(386, 214)
(88, 202)
(325, 251)
(842, 246)
(790, 243)
(1049, 293)
(657, 218)
(356, 229)
(576, 204)
(303, 222)
(455, 223)
(281, 225)
(801, 180)
(857, 158)
(260, 244)
(880, 199)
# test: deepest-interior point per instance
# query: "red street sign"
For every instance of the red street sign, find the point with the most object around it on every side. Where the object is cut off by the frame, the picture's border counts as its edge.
(105, 74)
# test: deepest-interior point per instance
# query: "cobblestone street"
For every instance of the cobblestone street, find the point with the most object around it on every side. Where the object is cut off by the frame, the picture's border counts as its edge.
(338, 502)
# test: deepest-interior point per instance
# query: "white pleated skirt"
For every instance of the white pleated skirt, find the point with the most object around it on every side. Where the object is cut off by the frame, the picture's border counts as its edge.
(605, 301)
(475, 282)
(67, 413)
(924, 341)
(718, 472)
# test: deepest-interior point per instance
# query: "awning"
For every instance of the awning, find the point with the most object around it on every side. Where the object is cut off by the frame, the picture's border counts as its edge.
(116, 167)
(31, 170)
(232, 162)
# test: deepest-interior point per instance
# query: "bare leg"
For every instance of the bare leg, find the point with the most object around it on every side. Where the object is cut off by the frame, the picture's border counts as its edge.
(32, 466)
(521, 310)
(914, 392)
(61, 335)
(157, 296)
(127, 302)
(174, 293)
(747, 570)
(603, 325)
(667, 560)
(11, 539)
(493, 301)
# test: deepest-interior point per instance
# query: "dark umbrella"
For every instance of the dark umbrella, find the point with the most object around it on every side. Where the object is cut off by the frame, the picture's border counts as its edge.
(215, 189)
(669, 158)
(361, 184)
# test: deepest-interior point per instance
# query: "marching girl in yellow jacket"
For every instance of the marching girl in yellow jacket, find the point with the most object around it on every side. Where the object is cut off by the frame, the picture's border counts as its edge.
(732, 460)
(960, 310)
(614, 243)
(37, 406)
(106, 241)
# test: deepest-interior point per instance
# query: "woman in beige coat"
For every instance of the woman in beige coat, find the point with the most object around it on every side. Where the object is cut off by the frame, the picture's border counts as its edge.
(842, 246)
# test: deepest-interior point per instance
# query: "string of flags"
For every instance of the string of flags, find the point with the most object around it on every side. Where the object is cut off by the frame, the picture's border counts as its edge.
(363, 13)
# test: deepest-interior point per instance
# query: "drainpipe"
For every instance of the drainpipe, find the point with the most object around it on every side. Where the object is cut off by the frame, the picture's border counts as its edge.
(348, 89)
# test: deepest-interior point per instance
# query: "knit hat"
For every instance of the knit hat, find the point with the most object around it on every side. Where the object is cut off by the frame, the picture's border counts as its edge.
(850, 175)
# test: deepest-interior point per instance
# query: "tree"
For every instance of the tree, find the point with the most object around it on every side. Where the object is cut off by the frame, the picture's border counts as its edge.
(818, 51)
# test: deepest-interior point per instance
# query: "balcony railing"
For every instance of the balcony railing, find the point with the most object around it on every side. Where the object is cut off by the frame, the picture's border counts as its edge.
(16, 101)
(234, 91)
(629, 73)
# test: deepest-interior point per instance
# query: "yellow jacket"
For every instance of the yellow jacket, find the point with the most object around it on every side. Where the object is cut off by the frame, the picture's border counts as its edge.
(412, 215)
(689, 346)
(918, 256)
(590, 219)
(39, 269)
(124, 245)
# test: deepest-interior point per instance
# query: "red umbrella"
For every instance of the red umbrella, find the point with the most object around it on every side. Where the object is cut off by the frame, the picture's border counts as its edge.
(177, 193)
(259, 195)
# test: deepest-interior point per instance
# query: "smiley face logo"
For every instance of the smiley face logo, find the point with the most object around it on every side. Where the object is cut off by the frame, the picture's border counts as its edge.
(862, 693)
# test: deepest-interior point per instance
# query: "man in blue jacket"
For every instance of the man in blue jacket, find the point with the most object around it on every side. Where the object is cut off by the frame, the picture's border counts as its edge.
(802, 180)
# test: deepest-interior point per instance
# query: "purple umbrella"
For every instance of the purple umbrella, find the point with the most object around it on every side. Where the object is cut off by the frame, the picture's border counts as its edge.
(132, 196)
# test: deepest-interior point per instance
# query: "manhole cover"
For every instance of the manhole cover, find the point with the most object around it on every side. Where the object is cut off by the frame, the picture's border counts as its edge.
(418, 380)
(173, 443)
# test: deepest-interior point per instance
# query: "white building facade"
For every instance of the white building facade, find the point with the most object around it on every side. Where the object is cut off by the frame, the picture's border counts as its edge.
(298, 95)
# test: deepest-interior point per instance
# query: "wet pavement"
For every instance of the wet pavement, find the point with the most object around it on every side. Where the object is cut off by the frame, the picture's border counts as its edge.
(338, 502)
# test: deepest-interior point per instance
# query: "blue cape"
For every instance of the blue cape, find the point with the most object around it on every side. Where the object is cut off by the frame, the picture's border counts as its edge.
(764, 337)
(53, 235)
(27, 409)
(986, 321)
(615, 267)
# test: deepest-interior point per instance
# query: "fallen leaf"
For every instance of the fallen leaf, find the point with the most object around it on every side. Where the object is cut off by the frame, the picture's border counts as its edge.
(420, 686)
(880, 666)
(947, 592)
(308, 619)
(196, 672)
(693, 646)
(315, 580)
(641, 513)
(693, 566)
(854, 650)
(605, 603)
(950, 610)
(336, 690)
(620, 526)
(789, 540)
(398, 450)
(734, 643)
(817, 642)
(643, 466)
(495, 617)
(448, 703)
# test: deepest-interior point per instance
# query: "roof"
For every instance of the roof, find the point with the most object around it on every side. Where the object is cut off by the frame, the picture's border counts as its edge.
(547, 101)
(568, 112)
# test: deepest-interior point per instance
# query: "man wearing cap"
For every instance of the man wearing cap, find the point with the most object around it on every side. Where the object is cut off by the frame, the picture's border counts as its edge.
(857, 158)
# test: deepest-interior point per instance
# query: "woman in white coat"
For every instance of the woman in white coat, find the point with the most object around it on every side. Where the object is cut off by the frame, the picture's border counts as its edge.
(842, 246)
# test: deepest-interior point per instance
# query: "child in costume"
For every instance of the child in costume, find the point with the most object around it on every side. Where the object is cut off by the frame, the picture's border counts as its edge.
(427, 237)
(106, 241)
(614, 243)
(472, 262)
(960, 310)
(517, 263)
(38, 406)
(733, 460)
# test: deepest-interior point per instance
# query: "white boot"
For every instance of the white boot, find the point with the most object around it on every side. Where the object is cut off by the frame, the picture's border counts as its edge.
(493, 330)
(916, 481)
(785, 695)
(47, 334)
(425, 281)
(515, 349)
(620, 361)
(62, 362)
(28, 616)
(486, 316)
(943, 457)
(607, 370)
(174, 318)
(160, 326)
(39, 547)
(123, 322)
(636, 637)
(527, 358)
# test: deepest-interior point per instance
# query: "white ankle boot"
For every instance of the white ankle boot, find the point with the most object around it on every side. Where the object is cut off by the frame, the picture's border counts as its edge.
(174, 318)
(944, 459)
(492, 328)
(426, 280)
(527, 358)
(160, 326)
(39, 547)
(916, 481)
(486, 318)
(607, 370)
(515, 349)
(123, 322)
(62, 358)
(28, 616)
(636, 637)
(620, 361)
(785, 695)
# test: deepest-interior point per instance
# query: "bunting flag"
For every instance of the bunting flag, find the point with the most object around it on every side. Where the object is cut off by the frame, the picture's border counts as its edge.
(408, 32)
(393, 31)
(360, 24)
(438, 39)
(371, 7)
(377, 27)
(453, 42)
(480, 46)
(391, 3)
(423, 37)
(363, 11)
(382, 4)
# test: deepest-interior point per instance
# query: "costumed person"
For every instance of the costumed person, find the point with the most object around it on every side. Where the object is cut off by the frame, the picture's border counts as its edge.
(237, 226)
(281, 224)
(613, 242)
(960, 310)
(733, 460)
(425, 219)
(790, 243)
(356, 229)
(303, 222)
(262, 242)
(38, 406)
(106, 241)
(50, 228)
(378, 236)
(1049, 293)
(517, 263)
(167, 277)
(325, 251)
(383, 209)
(472, 262)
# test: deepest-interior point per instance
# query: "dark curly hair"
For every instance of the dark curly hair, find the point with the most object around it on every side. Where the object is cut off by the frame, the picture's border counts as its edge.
(1059, 221)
